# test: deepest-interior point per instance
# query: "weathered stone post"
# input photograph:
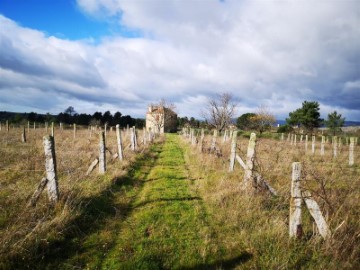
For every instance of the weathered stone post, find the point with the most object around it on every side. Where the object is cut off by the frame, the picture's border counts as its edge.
(213, 142)
(335, 144)
(135, 137)
(225, 136)
(322, 146)
(74, 131)
(132, 138)
(295, 139)
(233, 151)
(193, 142)
(61, 126)
(52, 129)
(144, 136)
(119, 143)
(282, 136)
(301, 138)
(23, 136)
(7, 126)
(250, 159)
(295, 227)
(50, 167)
(34, 126)
(0, 126)
(288, 137)
(306, 143)
(28, 127)
(313, 140)
(102, 153)
(105, 130)
(201, 143)
(351, 151)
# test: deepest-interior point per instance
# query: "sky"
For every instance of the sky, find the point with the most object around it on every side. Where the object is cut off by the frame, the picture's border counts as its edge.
(122, 55)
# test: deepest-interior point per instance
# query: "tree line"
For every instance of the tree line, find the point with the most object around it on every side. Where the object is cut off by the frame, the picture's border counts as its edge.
(70, 116)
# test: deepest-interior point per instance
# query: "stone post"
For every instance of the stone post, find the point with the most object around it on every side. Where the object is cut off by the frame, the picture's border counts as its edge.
(233, 151)
(23, 136)
(322, 146)
(295, 227)
(119, 143)
(351, 151)
(102, 153)
(250, 159)
(50, 167)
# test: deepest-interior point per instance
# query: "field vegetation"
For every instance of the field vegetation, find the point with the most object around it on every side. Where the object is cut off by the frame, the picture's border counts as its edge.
(171, 206)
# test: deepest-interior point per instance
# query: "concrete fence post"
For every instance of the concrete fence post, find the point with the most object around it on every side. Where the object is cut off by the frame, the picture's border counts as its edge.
(213, 142)
(250, 159)
(50, 167)
(313, 140)
(132, 138)
(23, 136)
(351, 151)
(119, 142)
(52, 129)
(233, 151)
(335, 145)
(322, 146)
(102, 153)
(295, 227)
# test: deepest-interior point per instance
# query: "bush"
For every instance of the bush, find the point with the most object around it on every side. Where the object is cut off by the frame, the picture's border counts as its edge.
(285, 129)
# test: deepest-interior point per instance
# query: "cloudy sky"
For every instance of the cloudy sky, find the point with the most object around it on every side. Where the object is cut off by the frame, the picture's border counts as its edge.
(121, 55)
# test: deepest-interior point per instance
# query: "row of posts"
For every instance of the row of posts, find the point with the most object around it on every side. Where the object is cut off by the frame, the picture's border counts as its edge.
(336, 144)
(298, 194)
(51, 180)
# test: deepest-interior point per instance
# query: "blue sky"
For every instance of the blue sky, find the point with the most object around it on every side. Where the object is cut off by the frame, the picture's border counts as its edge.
(63, 19)
(122, 55)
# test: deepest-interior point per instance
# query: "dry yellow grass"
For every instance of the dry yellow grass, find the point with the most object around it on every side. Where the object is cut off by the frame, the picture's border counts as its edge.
(260, 222)
(26, 230)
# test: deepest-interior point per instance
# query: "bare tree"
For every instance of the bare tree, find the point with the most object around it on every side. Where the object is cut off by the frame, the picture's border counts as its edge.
(161, 117)
(219, 111)
(263, 119)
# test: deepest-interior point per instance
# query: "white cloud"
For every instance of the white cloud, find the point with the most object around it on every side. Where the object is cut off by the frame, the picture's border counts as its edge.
(277, 53)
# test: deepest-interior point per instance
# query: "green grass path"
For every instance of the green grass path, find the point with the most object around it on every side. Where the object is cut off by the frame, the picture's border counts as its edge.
(167, 228)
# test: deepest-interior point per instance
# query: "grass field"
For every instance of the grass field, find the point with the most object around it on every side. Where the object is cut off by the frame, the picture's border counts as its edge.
(172, 207)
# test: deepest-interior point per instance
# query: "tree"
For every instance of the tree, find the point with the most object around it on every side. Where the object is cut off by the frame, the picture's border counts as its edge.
(107, 117)
(219, 111)
(244, 121)
(308, 116)
(334, 122)
(70, 111)
(263, 119)
(162, 116)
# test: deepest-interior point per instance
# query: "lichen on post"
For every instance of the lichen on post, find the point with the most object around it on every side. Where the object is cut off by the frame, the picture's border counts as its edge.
(233, 151)
(295, 227)
(50, 167)
(250, 159)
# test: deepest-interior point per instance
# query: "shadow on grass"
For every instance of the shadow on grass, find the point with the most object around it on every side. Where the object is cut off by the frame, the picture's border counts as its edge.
(167, 200)
(95, 213)
(223, 264)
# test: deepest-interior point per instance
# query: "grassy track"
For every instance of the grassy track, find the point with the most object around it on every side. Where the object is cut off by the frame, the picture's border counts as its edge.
(168, 228)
